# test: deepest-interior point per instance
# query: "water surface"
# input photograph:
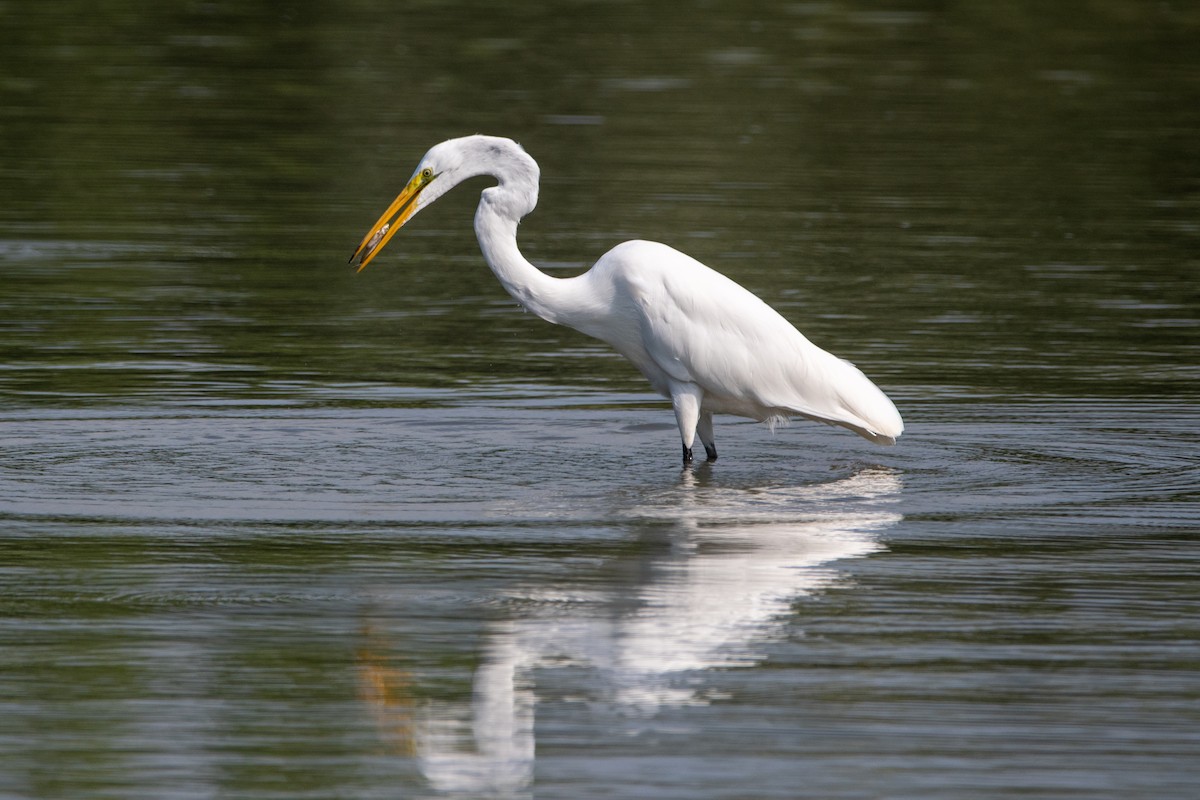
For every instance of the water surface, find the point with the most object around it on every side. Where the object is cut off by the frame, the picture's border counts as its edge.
(272, 529)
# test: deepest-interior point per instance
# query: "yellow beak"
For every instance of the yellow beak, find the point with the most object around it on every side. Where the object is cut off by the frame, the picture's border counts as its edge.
(382, 231)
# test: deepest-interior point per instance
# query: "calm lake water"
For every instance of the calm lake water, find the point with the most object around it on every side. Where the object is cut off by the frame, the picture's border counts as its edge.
(271, 529)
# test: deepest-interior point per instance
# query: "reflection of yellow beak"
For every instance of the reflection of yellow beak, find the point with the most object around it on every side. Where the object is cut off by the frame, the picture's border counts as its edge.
(382, 231)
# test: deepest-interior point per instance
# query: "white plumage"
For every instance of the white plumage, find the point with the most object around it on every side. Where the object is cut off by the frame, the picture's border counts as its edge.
(699, 338)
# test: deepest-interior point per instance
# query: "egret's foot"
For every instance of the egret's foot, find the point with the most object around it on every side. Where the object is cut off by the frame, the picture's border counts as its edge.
(710, 450)
(687, 455)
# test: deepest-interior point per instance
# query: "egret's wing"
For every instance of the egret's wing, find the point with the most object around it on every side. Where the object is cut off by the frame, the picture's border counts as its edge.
(700, 327)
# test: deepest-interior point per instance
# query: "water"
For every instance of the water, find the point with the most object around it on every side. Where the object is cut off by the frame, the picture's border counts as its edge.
(272, 529)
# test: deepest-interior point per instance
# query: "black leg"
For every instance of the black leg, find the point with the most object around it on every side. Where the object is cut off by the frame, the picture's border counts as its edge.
(687, 455)
(704, 429)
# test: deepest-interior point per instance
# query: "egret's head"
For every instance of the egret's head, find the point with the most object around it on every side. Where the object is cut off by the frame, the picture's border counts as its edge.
(445, 166)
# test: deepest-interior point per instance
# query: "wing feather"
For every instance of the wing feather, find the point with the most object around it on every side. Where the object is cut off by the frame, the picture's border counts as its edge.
(697, 326)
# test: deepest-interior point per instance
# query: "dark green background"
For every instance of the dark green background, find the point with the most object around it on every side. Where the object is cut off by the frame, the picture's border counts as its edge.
(966, 197)
(236, 478)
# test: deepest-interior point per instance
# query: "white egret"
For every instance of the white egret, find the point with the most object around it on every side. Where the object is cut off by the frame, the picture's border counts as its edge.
(699, 338)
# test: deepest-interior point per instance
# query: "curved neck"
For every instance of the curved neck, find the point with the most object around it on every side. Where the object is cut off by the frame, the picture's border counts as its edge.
(553, 299)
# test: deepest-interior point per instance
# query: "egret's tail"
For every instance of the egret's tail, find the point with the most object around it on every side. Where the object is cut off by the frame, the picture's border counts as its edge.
(869, 412)
(852, 401)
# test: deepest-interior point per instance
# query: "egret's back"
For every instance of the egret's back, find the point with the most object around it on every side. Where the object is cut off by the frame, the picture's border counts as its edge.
(696, 326)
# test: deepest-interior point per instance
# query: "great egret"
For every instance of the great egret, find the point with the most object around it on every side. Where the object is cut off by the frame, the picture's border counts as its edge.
(698, 337)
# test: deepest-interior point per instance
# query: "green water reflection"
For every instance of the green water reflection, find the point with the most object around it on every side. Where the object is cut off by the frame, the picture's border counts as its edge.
(993, 208)
(969, 199)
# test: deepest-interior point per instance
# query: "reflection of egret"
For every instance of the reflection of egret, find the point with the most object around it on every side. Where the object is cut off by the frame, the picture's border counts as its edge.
(698, 337)
(739, 559)
(496, 759)
(387, 690)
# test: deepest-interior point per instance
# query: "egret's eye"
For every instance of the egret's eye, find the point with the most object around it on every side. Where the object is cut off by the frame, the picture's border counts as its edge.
(426, 174)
